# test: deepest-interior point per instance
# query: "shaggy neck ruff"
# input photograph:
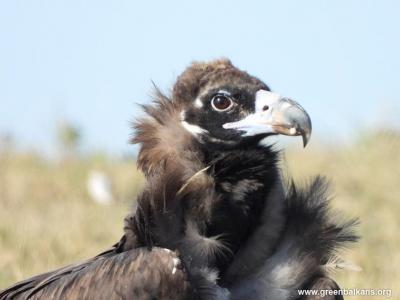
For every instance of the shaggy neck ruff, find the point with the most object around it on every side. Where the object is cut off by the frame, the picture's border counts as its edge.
(221, 193)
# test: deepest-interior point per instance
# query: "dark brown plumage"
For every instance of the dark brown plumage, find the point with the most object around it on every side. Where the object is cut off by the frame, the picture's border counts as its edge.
(135, 274)
(214, 194)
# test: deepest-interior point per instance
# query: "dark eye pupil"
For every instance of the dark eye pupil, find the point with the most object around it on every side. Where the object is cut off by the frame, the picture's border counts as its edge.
(222, 102)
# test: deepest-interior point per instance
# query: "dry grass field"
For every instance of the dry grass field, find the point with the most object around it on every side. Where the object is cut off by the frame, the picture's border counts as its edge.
(48, 220)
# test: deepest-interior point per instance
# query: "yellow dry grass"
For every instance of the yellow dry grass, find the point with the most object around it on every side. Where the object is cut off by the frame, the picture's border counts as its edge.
(47, 219)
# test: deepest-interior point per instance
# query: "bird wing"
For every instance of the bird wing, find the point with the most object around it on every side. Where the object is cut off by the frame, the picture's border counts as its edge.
(134, 274)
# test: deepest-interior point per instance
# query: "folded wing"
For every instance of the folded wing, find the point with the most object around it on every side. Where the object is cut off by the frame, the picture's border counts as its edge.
(136, 274)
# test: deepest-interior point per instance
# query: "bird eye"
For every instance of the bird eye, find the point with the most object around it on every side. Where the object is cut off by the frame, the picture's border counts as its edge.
(221, 103)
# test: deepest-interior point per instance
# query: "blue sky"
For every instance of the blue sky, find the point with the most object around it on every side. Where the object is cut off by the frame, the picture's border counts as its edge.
(90, 61)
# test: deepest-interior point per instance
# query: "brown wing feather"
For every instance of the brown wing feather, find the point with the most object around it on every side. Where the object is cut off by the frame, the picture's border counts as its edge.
(136, 274)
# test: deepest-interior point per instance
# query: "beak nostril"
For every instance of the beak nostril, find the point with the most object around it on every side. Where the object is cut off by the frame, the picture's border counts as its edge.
(265, 107)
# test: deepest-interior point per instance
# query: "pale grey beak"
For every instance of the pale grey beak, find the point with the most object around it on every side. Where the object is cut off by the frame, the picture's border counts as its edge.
(277, 115)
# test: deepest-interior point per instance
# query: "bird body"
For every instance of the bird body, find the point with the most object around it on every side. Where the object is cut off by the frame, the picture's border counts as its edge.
(214, 196)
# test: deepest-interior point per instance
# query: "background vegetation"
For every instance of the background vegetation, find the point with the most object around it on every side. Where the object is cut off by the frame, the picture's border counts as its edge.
(47, 218)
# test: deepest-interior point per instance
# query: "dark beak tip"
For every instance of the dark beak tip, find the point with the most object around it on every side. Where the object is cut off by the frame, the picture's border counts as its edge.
(307, 129)
(305, 141)
(306, 137)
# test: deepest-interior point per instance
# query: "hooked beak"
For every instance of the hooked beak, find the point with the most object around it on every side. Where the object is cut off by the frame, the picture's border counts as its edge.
(275, 115)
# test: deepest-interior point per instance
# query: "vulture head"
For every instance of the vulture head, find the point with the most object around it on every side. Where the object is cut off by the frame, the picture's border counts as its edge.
(223, 105)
